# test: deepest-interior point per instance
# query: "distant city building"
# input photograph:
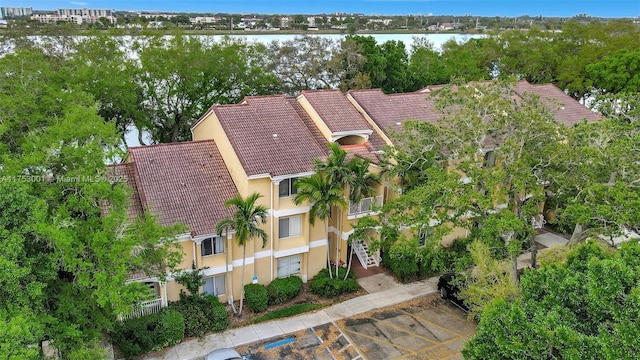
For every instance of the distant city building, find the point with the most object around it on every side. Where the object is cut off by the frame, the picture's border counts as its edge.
(78, 16)
(154, 15)
(10, 12)
(204, 19)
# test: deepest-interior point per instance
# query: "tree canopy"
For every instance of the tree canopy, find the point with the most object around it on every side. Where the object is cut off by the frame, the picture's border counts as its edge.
(583, 307)
(67, 246)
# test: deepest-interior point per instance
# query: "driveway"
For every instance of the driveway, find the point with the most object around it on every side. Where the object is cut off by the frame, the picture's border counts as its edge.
(426, 328)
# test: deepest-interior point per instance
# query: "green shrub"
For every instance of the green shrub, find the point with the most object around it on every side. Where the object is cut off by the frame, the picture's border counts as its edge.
(202, 314)
(256, 296)
(284, 289)
(434, 259)
(402, 260)
(324, 286)
(137, 336)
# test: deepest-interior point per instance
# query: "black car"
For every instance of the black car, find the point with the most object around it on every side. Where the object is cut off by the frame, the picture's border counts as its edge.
(449, 289)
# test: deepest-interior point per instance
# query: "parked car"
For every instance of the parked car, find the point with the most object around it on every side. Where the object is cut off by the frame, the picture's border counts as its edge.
(449, 290)
(223, 354)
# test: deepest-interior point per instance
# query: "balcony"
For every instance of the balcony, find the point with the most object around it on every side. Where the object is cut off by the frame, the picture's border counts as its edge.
(144, 308)
(364, 207)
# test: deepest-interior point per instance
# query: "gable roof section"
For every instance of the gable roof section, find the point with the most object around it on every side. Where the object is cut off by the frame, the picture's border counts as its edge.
(269, 136)
(566, 110)
(390, 111)
(336, 111)
(183, 183)
(320, 139)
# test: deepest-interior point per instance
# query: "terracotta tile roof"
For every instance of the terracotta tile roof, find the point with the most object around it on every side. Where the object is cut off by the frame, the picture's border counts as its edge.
(390, 111)
(336, 111)
(566, 109)
(269, 136)
(126, 172)
(340, 115)
(184, 183)
(363, 151)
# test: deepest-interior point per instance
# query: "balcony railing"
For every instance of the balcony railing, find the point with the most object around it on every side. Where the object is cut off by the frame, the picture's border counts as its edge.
(365, 205)
(144, 308)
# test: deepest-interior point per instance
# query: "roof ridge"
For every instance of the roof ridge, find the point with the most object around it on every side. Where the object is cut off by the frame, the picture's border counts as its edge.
(170, 144)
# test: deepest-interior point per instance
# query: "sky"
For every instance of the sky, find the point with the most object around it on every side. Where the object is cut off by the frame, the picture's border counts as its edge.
(551, 8)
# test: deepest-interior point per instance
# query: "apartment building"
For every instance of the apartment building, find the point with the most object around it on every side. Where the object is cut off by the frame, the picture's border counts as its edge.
(263, 144)
(77, 16)
(11, 12)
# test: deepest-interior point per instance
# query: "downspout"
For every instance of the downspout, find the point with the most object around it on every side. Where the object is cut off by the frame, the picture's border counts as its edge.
(195, 258)
(228, 283)
(271, 259)
(165, 301)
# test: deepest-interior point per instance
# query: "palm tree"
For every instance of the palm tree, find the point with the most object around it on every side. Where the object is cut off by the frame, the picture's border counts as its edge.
(336, 167)
(245, 221)
(322, 194)
(360, 186)
(336, 170)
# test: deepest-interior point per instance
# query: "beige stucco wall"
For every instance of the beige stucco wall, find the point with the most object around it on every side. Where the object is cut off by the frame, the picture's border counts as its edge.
(315, 117)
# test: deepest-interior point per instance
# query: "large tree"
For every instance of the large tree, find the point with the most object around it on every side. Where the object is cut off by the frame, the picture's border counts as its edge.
(102, 66)
(182, 76)
(490, 149)
(583, 307)
(597, 190)
(304, 63)
(67, 245)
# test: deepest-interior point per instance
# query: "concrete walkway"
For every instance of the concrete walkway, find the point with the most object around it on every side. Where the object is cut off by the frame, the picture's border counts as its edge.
(386, 292)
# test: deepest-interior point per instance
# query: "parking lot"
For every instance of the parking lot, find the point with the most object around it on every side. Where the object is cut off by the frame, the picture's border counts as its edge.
(426, 328)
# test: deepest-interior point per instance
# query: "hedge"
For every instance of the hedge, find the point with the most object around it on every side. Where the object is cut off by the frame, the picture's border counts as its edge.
(324, 286)
(256, 296)
(202, 314)
(283, 289)
(137, 336)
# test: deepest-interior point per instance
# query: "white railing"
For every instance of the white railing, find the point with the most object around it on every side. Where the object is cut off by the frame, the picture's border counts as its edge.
(366, 259)
(144, 308)
(361, 253)
(538, 221)
(365, 205)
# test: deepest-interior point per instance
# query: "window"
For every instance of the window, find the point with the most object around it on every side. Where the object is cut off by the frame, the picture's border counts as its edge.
(287, 187)
(288, 266)
(489, 159)
(365, 205)
(424, 234)
(212, 246)
(289, 226)
(214, 285)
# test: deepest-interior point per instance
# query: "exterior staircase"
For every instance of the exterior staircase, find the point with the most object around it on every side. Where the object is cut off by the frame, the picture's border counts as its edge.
(366, 259)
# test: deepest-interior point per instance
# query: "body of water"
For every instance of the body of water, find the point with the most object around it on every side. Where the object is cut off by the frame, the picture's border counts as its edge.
(408, 39)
